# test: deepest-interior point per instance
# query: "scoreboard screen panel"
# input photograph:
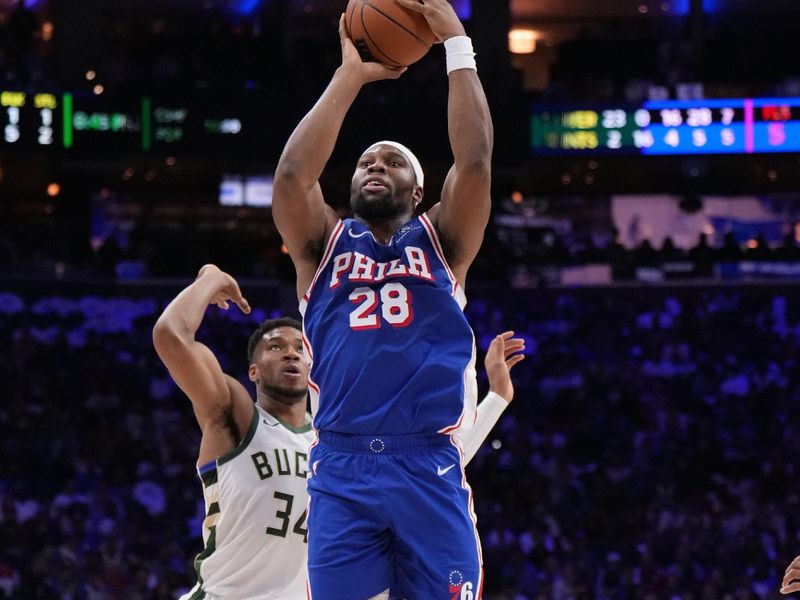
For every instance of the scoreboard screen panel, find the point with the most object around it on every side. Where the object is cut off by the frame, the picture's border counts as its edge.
(670, 127)
(776, 125)
(29, 121)
(584, 129)
(100, 124)
(224, 125)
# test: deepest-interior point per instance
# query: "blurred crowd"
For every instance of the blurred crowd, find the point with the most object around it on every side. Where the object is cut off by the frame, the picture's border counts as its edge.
(251, 247)
(647, 455)
(652, 456)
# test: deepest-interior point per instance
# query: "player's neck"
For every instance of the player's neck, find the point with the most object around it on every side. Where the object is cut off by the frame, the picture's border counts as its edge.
(291, 414)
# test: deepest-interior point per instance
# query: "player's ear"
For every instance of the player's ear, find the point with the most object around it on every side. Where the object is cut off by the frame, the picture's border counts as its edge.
(418, 195)
(252, 373)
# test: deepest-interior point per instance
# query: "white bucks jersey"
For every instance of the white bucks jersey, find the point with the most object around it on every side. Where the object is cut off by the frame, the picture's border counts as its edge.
(255, 526)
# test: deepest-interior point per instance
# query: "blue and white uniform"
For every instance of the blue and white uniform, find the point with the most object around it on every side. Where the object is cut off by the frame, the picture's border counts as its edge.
(392, 377)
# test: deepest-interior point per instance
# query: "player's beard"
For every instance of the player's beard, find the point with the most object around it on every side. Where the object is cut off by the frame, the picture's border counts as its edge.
(382, 208)
(286, 395)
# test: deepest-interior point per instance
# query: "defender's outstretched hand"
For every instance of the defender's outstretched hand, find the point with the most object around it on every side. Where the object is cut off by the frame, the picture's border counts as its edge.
(791, 578)
(225, 288)
(365, 71)
(502, 355)
(439, 14)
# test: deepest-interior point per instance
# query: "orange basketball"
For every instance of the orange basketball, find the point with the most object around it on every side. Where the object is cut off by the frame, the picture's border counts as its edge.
(385, 32)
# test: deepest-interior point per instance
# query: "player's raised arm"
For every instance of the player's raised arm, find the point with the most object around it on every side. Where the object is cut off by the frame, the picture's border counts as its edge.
(463, 212)
(504, 352)
(301, 215)
(192, 365)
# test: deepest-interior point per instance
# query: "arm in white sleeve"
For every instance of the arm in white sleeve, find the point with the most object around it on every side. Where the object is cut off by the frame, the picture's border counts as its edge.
(489, 411)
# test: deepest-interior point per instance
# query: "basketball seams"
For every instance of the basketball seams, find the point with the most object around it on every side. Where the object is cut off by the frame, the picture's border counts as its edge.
(396, 22)
(366, 31)
(364, 5)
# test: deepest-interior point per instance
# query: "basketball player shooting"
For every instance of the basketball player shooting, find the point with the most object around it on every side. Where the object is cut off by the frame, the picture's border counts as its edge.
(253, 456)
(392, 353)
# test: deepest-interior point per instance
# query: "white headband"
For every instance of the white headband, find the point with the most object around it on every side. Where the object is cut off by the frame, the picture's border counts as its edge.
(405, 152)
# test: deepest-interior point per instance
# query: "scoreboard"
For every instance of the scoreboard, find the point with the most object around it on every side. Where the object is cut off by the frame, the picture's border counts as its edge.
(29, 118)
(669, 127)
(82, 124)
(85, 124)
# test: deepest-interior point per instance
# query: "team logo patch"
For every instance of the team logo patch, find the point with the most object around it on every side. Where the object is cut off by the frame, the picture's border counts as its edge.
(460, 589)
(404, 230)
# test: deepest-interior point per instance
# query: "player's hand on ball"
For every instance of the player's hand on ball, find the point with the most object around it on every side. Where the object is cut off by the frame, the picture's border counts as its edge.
(366, 71)
(441, 17)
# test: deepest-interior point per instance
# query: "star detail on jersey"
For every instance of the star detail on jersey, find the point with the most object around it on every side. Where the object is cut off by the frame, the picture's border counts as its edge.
(441, 471)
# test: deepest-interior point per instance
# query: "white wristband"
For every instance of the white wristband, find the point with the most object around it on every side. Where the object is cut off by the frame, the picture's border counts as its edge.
(459, 54)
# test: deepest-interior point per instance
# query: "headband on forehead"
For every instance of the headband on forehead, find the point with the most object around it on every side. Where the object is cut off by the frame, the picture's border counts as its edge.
(405, 152)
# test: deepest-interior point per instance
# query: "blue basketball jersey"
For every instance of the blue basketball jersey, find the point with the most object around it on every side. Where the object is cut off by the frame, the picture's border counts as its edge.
(390, 348)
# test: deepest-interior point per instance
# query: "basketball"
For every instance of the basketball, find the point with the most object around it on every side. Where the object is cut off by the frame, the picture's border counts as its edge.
(385, 32)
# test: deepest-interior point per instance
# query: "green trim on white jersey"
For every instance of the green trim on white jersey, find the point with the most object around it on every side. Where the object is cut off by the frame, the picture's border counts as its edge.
(251, 431)
(254, 528)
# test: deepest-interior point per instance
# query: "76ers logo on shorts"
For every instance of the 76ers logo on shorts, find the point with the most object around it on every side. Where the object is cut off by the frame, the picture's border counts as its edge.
(460, 589)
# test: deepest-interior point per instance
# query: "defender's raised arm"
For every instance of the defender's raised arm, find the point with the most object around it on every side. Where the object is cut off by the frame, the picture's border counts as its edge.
(504, 352)
(221, 404)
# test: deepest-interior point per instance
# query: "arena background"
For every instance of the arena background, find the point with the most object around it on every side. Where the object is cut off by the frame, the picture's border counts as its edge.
(644, 240)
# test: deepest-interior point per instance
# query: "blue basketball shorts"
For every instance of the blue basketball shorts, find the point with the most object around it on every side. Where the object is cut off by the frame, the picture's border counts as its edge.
(391, 512)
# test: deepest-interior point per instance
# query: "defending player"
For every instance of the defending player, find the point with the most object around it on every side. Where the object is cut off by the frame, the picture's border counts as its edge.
(253, 456)
(252, 459)
(392, 353)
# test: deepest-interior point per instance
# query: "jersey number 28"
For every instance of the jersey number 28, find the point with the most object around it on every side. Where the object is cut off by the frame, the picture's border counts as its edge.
(395, 307)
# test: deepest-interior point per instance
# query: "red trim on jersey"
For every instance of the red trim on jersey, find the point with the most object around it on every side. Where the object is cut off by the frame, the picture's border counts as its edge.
(337, 232)
(451, 428)
(447, 430)
(429, 228)
(311, 446)
(471, 505)
(307, 346)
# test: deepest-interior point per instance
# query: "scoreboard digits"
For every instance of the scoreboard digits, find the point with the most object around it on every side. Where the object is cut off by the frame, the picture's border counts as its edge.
(735, 126)
(98, 125)
(28, 120)
(92, 124)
